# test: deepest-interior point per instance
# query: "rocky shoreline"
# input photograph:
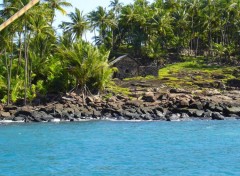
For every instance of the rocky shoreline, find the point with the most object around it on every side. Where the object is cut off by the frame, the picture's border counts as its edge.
(167, 105)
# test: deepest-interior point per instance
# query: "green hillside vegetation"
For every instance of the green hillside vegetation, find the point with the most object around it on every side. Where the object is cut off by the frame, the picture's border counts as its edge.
(201, 37)
(195, 74)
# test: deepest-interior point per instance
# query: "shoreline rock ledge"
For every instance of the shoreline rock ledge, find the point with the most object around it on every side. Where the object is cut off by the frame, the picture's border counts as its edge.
(170, 105)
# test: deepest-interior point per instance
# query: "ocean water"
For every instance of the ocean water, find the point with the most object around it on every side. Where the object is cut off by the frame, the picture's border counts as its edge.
(104, 148)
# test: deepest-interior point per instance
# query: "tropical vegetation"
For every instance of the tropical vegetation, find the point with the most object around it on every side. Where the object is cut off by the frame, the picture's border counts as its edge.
(35, 59)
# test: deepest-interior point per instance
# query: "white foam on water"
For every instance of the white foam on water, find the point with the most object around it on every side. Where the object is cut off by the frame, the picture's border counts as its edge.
(10, 121)
(56, 120)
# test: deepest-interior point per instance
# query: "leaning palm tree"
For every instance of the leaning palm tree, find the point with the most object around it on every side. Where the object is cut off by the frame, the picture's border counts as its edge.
(77, 26)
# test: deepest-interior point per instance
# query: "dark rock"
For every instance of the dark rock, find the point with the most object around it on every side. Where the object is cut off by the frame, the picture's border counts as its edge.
(8, 108)
(149, 97)
(217, 116)
(23, 113)
(234, 83)
(146, 110)
(120, 97)
(196, 105)
(180, 110)
(163, 97)
(89, 99)
(41, 116)
(66, 116)
(218, 109)
(210, 106)
(77, 115)
(191, 112)
(184, 103)
(69, 110)
(179, 91)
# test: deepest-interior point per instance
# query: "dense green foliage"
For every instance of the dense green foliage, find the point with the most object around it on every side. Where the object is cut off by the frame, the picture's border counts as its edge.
(35, 60)
(153, 30)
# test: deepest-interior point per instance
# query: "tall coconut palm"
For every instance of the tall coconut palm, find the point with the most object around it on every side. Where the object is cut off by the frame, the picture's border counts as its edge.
(101, 21)
(77, 26)
(58, 5)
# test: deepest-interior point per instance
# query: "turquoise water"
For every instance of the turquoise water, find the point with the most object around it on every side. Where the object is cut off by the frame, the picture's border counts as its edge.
(205, 148)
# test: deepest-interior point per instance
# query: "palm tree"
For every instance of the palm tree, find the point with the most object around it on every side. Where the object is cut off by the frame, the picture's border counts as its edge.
(101, 21)
(78, 25)
(116, 7)
(88, 65)
(59, 6)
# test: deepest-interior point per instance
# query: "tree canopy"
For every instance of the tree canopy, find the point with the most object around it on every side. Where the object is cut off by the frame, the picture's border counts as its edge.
(36, 59)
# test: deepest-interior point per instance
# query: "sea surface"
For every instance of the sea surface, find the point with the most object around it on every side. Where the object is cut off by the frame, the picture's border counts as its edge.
(105, 148)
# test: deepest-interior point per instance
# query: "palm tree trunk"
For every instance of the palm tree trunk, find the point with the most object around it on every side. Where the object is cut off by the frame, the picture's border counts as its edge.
(20, 52)
(8, 77)
(26, 66)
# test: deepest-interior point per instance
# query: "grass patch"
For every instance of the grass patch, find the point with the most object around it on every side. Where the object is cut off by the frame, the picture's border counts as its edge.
(195, 72)
(140, 78)
(118, 90)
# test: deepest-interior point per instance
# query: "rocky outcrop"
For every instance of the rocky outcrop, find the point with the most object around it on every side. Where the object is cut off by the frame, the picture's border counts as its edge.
(170, 105)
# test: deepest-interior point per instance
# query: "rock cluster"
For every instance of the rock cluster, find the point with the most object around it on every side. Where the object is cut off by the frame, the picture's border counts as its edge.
(170, 105)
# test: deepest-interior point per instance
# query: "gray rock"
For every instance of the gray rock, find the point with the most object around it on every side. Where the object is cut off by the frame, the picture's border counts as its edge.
(96, 113)
(184, 116)
(146, 117)
(184, 103)
(149, 97)
(18, 119)
(233, 110)
(163, 97)
(23, 113)
(207, 114)
(198, 113)
(196, 105)
(173, 117)
(218, 109)
(130, 115)
(217, 116)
